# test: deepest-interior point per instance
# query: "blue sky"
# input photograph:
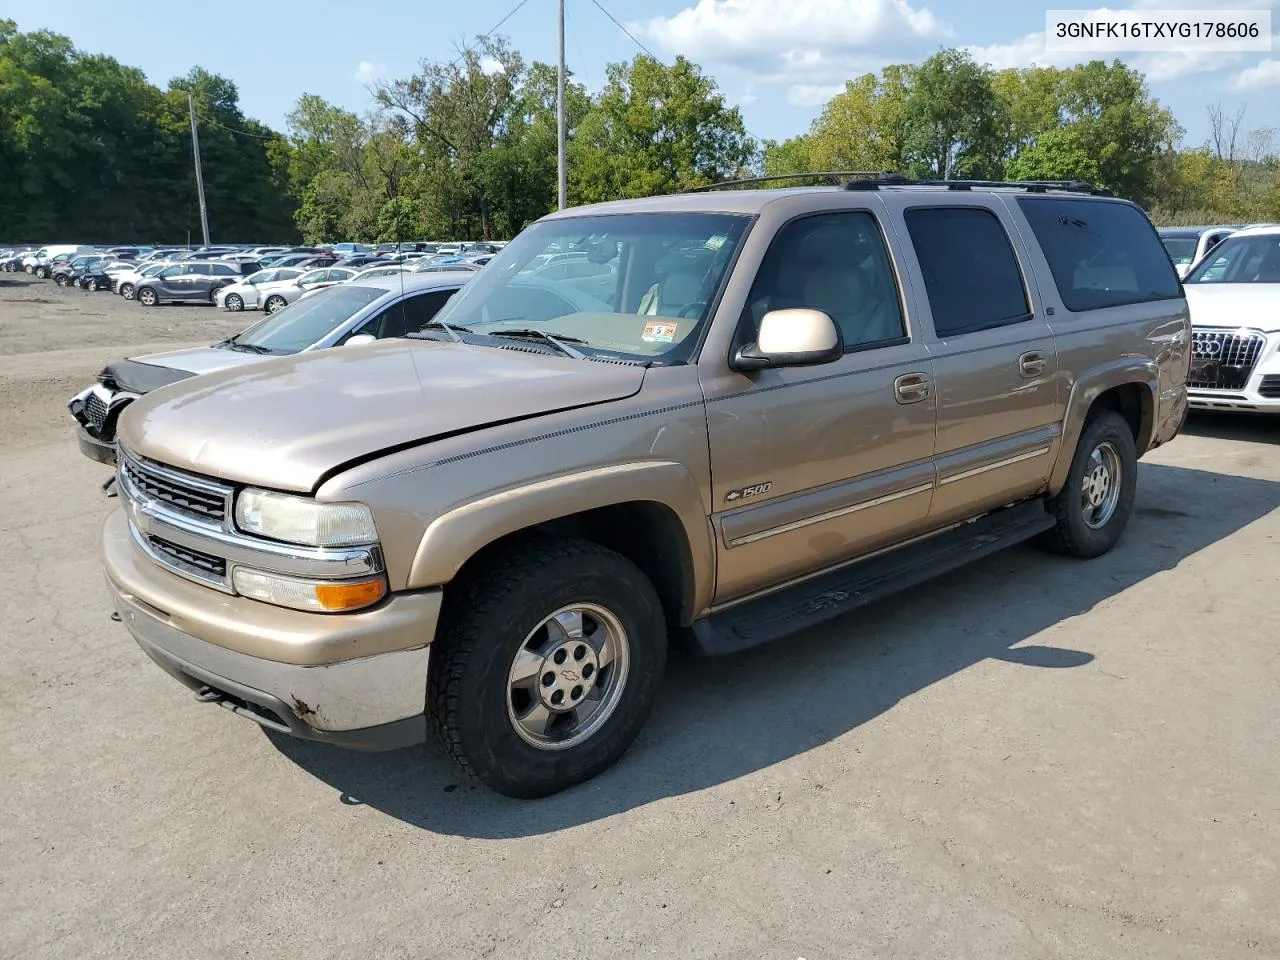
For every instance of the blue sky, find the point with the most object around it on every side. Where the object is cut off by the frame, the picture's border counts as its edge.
(777, 59)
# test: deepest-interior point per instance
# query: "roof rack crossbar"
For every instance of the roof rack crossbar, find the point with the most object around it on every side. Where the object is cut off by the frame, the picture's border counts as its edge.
(812, 175)
(874, 182)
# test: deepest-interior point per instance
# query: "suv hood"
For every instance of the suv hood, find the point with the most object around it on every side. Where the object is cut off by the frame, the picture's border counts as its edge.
(1234, 305)
(286, 422)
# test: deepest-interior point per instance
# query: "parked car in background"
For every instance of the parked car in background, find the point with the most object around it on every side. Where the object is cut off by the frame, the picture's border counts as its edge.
(249, 293)
(1234, 296)
(386, 270)
(192, 281)
(42, 261)
(124, 282)
(449, 266)
(98, 276)
(348, 249)
(67, 272)
(360, 260)
(1188, 245)
(284, 294)
(373, 310)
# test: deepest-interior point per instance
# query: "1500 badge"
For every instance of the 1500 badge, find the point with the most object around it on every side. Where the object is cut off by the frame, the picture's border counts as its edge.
(752, 491)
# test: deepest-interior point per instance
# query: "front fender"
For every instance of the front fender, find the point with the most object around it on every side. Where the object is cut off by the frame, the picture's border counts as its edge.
(456, 536)
(1091, 385)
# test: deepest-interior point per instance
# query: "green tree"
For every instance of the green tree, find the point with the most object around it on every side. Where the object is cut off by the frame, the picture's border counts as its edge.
(656, 129)
(953, 125)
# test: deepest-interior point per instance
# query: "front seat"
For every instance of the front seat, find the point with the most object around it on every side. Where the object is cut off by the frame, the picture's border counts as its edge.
(681, 289)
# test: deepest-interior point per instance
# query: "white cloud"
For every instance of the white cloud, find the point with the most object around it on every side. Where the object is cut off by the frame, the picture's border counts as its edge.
(489, 66)
(811, 94)
(1264, 73)
(367, 71)
(806, 42)
(747, 99)
(1028, 51)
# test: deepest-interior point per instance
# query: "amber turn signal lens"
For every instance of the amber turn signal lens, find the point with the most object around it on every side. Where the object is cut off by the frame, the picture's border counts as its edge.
(350, 596)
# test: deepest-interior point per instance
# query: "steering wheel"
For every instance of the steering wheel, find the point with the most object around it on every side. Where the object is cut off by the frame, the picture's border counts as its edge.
(690, 310)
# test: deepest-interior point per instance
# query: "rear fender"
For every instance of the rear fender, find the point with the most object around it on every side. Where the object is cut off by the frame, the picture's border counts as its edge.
(1091, 385)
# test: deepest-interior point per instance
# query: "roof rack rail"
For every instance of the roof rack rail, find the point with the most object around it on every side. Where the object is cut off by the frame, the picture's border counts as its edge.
(819, 174)
(876, 181)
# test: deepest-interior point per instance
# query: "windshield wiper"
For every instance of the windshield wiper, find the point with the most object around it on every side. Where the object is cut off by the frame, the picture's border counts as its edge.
(559, 342)
(234, 344)
(452, 330)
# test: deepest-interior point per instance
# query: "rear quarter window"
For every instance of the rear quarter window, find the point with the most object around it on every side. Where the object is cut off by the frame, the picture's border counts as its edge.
(1101, 253)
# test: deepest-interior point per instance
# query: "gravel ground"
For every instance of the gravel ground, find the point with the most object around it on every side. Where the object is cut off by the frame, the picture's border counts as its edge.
(1030, 758)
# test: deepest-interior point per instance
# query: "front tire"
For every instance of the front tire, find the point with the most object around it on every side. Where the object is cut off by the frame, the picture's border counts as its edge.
(275, 303)
(126, 290)
(147, 297)
(546, 666)
(1095, 504)
(42, 273)
(234, 302)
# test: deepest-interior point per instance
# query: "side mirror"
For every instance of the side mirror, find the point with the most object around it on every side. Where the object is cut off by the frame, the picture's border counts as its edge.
(792, 338)
(359, 340)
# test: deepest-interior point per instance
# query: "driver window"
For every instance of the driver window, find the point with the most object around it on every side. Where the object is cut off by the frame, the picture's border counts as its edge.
(836, 263)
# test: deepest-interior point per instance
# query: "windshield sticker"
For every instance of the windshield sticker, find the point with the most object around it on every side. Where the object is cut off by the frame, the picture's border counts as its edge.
(716, 241)
(658, 332)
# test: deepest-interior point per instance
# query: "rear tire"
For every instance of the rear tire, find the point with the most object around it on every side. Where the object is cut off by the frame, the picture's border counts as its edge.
(1094, 506)
(499, 690)
(42, 273)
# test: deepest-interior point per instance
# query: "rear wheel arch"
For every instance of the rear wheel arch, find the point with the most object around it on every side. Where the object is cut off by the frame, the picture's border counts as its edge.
(1128, 387)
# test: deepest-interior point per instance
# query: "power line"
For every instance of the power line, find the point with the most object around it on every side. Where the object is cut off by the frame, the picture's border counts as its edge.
(617, 24)
(488, 33)
(243, 133)
(654, 56)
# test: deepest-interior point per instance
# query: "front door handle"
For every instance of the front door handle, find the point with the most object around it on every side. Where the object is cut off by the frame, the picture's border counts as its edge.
(1031, 364)
(911, 388)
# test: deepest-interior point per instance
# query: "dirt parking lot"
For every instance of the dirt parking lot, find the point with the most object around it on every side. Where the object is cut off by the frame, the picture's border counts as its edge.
(1031, 758)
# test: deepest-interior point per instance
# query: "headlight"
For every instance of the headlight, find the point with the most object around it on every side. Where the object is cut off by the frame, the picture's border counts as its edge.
(279, 516)
(317, 596)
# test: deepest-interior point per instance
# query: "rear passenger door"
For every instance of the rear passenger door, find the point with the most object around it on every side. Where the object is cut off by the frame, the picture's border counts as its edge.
(994, 359)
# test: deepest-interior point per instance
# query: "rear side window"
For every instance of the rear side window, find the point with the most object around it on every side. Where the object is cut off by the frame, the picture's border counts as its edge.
(1101, 253)
(970, 273)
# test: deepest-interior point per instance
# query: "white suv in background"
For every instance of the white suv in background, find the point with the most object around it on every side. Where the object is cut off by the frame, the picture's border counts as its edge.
(1234, 296)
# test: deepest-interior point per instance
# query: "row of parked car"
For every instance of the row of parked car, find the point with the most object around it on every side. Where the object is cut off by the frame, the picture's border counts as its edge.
(1231, 276)
(236, 279)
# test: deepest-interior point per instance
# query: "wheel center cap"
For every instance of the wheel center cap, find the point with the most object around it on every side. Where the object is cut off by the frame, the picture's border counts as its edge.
(568, 674)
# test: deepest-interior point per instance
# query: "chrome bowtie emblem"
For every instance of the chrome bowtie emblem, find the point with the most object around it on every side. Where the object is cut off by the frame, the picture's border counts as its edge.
(569, 675)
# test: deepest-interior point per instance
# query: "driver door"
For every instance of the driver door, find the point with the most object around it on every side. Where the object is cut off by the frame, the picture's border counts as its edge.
(815, 465)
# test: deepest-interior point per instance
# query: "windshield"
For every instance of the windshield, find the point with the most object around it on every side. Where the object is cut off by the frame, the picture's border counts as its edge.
(305, 322)
(1237, 259)
(640, 285)
(1182, 250)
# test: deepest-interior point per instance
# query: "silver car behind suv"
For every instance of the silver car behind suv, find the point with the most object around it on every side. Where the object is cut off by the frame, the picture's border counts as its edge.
(376, 308)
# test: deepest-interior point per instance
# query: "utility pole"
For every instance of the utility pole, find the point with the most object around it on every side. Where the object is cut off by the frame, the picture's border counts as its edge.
(561, 169)
(195, 149)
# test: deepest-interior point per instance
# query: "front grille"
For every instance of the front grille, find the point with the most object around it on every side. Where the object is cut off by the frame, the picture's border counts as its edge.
(96, 411)
(1270, 386)
(167, 487)
(193, 561)
(1222, 360)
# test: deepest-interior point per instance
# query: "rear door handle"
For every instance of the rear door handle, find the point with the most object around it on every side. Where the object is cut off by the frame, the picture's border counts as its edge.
(911, 388)
(1031, 364)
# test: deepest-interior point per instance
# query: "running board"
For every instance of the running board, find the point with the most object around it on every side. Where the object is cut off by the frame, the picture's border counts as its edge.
(834, 594)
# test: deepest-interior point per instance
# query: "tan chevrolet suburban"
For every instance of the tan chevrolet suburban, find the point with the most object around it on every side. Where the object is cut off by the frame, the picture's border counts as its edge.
(720, 417)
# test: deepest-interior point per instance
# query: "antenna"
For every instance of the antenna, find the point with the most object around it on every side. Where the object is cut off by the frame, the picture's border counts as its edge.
(561, 169)
(195, 149)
